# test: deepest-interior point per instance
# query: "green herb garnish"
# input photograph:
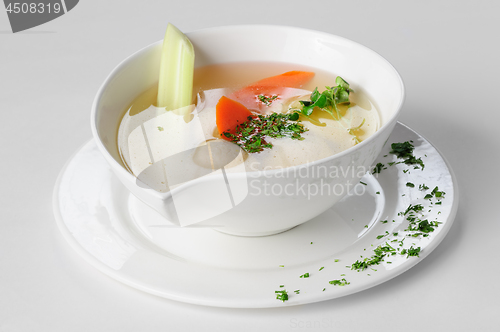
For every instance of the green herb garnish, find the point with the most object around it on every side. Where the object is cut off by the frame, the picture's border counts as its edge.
(282, 295)
(402, 150)
(405, 151)
(378, 168)
(251, 135)
(328, 101)
(339, 282)
(379, 254)
(383, 235)
(415, 208)
(423, 187)
(438, 193)
(419, 225)
(411, 252)
(267, 100)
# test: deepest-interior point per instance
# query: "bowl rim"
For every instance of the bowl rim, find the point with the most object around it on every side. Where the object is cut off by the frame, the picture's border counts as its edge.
(257, 173)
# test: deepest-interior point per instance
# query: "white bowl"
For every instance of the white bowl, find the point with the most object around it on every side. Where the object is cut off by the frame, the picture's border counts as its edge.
(236, 203)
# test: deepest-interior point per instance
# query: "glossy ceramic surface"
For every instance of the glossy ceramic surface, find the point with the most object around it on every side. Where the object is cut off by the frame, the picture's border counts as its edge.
(237, 214)
(130, 242)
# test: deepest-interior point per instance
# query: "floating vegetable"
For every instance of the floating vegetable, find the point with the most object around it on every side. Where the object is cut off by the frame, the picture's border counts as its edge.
(270, 88)
(175, 86)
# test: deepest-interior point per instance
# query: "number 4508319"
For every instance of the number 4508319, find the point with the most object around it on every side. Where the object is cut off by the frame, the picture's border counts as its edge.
(33, 8)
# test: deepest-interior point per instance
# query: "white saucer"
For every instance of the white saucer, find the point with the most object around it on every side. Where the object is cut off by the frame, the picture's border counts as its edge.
(128, 241)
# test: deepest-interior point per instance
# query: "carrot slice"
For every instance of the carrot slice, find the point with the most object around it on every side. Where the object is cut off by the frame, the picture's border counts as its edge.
(271, 86)
(290, 79)
(229, 114)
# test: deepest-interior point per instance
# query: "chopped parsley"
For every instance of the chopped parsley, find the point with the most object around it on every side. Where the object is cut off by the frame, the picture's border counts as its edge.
(160, 128)
(379, 254)
(267, 100)
(339, 282)
(418, 226)
(435, 193)
(364, 264)
(251, 135)
(282, 295)
(415, 208)
(423, 187)
(405, 151)
(438, 193)
(402, 150)
(378, 168)
(411, 252)
(381, 236)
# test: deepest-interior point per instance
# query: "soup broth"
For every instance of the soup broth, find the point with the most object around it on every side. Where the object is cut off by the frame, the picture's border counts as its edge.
(151, 139)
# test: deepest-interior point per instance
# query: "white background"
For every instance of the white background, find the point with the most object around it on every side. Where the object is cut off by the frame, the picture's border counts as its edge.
(448, 55)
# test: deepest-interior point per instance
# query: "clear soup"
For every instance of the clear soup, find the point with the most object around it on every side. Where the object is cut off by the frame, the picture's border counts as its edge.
(167, 148)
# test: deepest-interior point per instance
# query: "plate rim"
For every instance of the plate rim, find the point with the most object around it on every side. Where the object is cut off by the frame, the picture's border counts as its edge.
(245, 303)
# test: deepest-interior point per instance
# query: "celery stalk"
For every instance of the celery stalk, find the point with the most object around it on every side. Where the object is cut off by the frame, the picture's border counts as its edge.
(175, 86)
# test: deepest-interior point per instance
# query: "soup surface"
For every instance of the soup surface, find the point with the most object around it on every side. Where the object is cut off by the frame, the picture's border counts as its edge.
(167, 148)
